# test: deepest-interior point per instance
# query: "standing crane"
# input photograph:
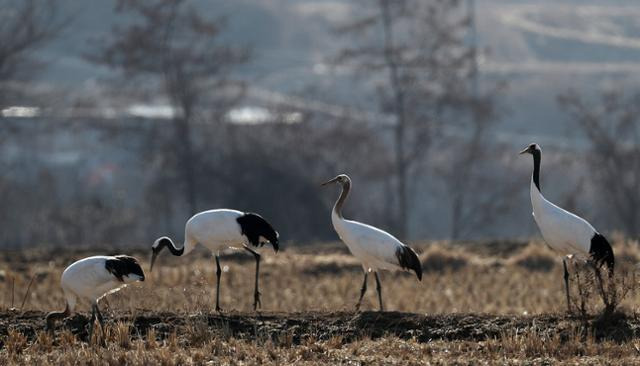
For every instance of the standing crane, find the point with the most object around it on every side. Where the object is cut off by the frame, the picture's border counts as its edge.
(565, 232)
(220, 229)
(376, 249)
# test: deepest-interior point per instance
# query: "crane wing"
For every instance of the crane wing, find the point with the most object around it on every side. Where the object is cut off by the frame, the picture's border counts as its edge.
(378, 247)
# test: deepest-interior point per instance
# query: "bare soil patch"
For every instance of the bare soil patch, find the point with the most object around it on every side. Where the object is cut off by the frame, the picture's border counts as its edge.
(350, 326)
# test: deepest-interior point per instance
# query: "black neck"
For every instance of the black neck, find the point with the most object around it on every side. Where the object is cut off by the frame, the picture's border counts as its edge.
(536, 168)
(172, 247)
(57, 315)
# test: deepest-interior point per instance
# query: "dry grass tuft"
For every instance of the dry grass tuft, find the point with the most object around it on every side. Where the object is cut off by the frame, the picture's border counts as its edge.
(151, 340)
(172, 342)
(536, 257)
(15, 342)
(44, 342)
(335, 342)
(531, 343)
(595, 293)
(198, 331)
(67, 339)
(285, 339)
(626, 252)
(441, 259)
(120, 334)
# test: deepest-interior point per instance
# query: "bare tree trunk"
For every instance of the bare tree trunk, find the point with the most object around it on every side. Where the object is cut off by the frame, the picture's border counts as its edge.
(464, 173)
(399, 129)
(456, 216)
(409, 43)
(401, 173)
(186, 161)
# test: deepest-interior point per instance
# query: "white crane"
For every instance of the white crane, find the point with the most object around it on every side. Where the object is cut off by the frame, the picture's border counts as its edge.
(93, 278)
(565, 232)
(375, 248)
(218, 230)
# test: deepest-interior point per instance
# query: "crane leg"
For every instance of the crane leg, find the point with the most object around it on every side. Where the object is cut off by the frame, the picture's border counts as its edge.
(218, 274)
(101, 322)
(256, 292)
(566, 283)
(596, 269)
(99, 317)
(379, 288)
(362, 291)
(92, 321)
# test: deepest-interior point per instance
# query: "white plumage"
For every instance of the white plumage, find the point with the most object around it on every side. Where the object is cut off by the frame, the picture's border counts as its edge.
(215, 229)
(564, 231)
(88, 278)
(375, 248)
(220, 229)
(93, 278)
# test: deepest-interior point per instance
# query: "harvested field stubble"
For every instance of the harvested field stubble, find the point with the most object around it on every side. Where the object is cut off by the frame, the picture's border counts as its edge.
(496, 303)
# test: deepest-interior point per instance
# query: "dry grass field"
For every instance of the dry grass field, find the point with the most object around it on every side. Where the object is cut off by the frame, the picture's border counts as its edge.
(478, 303)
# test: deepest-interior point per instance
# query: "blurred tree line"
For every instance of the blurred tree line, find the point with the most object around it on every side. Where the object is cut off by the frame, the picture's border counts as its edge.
(431, 165)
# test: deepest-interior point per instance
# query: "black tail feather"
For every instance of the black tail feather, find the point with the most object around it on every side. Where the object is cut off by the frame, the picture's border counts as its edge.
(253, 226)
(601, 252)
(408, 259)
(123, 265)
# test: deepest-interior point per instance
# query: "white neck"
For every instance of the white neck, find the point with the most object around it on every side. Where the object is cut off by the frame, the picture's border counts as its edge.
(537, 199)
(336, 214)
(188, 246)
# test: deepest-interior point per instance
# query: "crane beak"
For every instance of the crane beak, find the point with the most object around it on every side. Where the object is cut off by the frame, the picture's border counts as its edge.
(329, 181)
(524, 151)
(154, 254)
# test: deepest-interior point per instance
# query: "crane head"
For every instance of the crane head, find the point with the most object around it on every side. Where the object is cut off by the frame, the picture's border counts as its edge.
(157, 247)
(342, 179)
(531, 149)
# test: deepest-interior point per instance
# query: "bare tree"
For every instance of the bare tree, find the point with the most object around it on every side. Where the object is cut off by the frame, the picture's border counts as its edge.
(25, 27)
(612, 127)
(414, 52)
(461, 169)
(479, 185)
(172, 47)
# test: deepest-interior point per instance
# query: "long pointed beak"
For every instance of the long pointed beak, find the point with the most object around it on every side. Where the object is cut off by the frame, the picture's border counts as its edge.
(329, 181)
(154, 254)
(524, 151)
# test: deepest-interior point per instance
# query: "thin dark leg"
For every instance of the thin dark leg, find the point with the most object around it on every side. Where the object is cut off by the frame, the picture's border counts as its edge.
(566, 283)
(581, 294)
(599, 281)
(218, 274)
(99, 317)
(101, 322)
(379, 288)
(256, 292)
(91, 322)
(362, 291)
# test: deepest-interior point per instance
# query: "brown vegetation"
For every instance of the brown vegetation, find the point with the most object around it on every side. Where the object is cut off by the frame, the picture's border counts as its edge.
(308, 298)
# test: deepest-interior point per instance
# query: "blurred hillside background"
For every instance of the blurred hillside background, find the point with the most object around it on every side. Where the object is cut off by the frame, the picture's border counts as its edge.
(120, 119)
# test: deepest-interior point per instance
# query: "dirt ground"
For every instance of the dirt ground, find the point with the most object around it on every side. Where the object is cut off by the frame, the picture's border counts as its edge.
(350, 326)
